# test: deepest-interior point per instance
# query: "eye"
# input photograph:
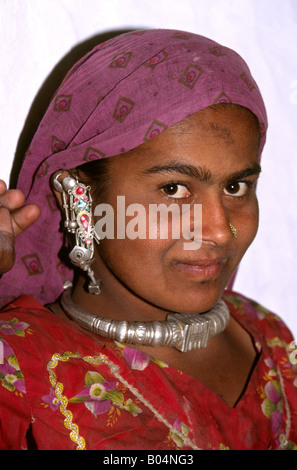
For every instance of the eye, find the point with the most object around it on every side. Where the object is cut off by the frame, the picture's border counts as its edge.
(237, 189)
(176, 190)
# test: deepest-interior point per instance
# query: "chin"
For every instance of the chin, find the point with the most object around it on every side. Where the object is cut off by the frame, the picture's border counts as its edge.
(200, 300)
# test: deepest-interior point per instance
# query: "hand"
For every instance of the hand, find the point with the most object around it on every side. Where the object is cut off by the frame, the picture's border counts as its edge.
(15, 217)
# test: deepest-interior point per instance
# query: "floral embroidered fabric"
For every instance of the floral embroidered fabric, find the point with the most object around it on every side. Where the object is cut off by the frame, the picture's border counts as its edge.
(78, 391)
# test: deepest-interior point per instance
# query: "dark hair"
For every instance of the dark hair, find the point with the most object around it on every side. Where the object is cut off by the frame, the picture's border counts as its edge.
(96, 174)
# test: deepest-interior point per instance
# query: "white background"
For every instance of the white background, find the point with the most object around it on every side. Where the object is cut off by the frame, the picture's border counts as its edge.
(36, 34)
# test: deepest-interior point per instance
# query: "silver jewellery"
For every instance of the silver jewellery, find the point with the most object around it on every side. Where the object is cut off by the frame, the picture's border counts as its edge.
(233, 230)
(184, 332)
(77, 205)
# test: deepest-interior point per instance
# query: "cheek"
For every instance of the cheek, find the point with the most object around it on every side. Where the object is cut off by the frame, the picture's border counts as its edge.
(247, 225)
(136, 236)
(134, 261)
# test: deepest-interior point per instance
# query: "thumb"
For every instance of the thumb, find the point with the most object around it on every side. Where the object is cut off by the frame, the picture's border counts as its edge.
(22, 218)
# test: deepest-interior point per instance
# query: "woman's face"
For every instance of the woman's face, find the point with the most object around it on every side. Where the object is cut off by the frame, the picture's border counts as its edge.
(211, 158)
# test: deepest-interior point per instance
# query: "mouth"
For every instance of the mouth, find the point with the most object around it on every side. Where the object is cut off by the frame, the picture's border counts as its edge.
(202, 268)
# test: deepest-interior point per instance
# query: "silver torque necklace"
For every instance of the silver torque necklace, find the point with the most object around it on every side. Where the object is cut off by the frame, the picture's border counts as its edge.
(183, 332)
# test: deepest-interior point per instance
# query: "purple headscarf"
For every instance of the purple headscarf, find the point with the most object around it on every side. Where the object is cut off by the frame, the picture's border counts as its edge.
(119, 95)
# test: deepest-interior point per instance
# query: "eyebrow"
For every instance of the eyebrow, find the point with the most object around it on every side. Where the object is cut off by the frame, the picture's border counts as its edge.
(198, 172)
(202, 173)
(250, 171)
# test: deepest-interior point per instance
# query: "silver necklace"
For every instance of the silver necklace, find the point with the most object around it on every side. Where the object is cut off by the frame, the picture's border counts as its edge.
(181, 331)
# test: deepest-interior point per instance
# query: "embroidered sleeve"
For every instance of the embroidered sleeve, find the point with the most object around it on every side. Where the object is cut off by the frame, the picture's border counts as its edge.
(15, 416)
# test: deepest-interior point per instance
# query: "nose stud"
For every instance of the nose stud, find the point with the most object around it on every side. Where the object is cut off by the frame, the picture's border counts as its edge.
(233, 230)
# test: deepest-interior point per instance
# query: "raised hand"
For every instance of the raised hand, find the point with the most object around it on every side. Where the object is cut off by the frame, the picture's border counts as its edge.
(15, 217)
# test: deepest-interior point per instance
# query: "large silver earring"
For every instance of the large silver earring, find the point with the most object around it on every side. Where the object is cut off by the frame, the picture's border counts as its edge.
(77, 206)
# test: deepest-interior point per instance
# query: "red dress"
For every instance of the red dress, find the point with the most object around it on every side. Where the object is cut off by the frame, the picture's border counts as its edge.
(73, 389)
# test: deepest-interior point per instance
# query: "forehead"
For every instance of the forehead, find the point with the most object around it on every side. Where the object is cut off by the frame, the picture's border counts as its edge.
(212, 130)
(219, 121)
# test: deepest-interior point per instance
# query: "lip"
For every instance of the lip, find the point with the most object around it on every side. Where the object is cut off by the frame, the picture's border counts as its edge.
(203, 268)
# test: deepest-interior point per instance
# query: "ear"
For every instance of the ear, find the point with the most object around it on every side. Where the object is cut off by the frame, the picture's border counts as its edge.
(56, 186)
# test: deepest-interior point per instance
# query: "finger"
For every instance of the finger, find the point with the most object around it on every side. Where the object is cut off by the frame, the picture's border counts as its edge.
(3, 187)
(12, 199)
(22, 218)
(5, 220)
(11, 225)
(7, 253)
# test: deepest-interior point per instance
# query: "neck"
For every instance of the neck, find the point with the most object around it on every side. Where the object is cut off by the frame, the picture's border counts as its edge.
(118, 314)
(116, 301)
(184, 332)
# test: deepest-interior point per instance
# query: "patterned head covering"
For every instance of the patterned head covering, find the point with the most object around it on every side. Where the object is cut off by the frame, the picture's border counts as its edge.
(121, 94)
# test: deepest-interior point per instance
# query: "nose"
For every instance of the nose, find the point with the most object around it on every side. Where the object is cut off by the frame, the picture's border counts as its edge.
(216, 228)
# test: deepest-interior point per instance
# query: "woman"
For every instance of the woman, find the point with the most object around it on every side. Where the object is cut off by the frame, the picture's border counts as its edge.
(105, 367)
